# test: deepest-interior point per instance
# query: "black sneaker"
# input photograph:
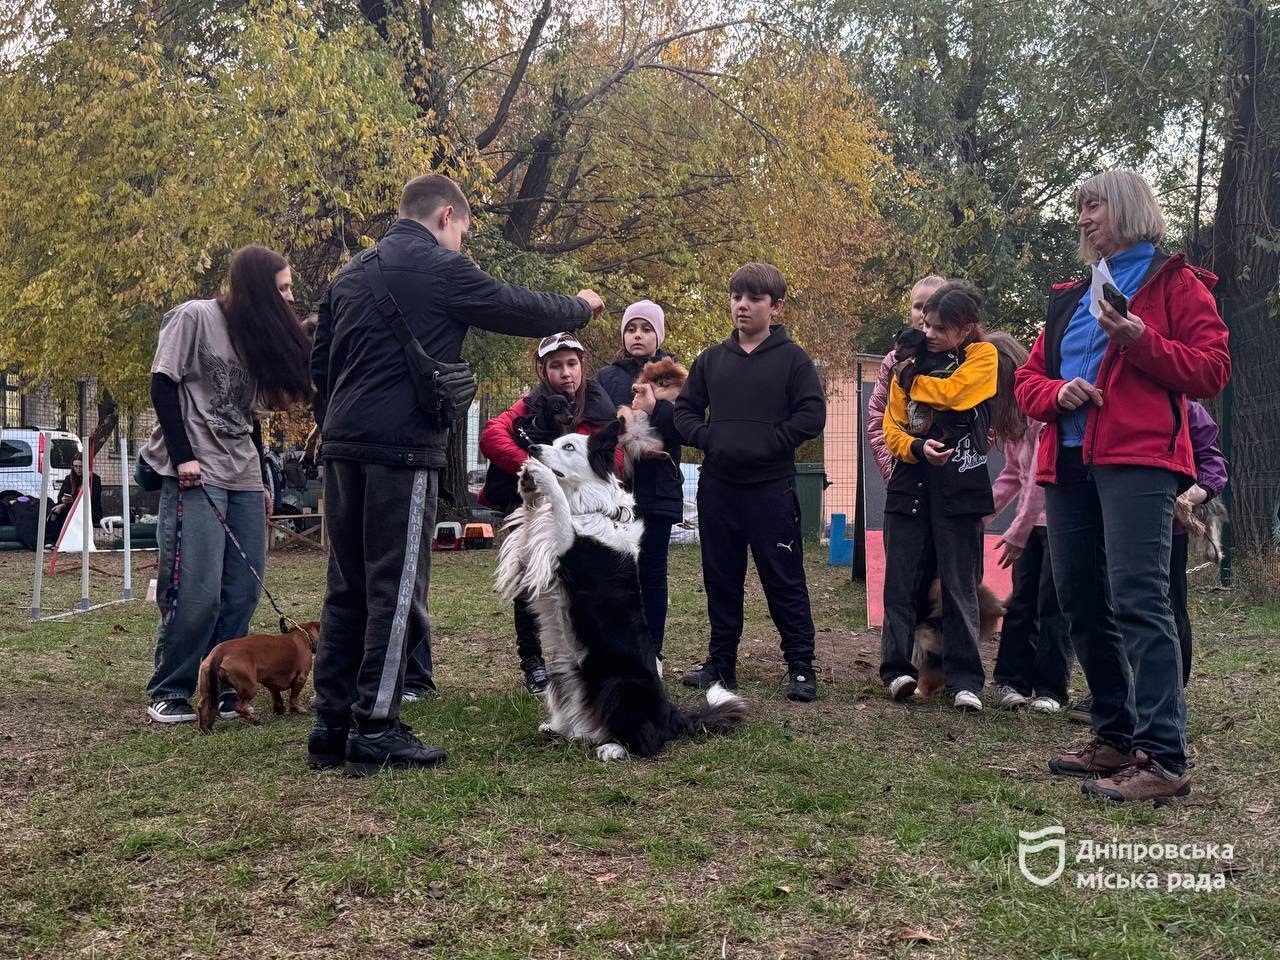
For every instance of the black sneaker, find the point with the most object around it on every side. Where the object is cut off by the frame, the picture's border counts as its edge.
(327, 745)
(227, 705)
(1082, 710)
(171, 711)
(535, 675)
(802, 685)
(393, 749)
(705, 674)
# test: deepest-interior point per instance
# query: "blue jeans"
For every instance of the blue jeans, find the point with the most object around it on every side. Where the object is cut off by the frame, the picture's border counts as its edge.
(217, 593)
(1110, 533)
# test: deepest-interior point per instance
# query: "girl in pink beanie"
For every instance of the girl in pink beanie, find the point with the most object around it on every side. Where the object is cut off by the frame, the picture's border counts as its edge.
(657, 484)
(648, 328)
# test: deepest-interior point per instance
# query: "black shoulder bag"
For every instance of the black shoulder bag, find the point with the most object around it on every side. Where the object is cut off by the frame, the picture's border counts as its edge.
(444, 390)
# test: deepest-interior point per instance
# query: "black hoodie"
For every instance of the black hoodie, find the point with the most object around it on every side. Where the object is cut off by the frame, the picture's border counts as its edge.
(762, 405)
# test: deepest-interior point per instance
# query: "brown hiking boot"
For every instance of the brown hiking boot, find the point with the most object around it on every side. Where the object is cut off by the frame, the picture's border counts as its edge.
(1094, 759)
(1141, 781)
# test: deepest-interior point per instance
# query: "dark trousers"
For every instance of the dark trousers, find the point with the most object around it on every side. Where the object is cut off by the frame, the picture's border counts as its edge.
(380, 521)
(528, 643)
(419, 672)
(1035, 651)
(1110, 529)
(1178, 599)
(654, 548)
(916, 545)
(764, 518)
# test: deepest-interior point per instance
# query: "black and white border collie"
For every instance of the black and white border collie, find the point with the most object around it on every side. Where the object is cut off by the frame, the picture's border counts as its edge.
(571, 548)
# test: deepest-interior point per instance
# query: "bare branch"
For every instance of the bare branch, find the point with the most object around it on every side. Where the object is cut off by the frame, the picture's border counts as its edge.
(487, 135)
(689, 77)
(644, 55)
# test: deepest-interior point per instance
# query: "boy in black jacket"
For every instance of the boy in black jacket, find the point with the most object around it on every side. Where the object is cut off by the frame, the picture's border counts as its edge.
(764, 400)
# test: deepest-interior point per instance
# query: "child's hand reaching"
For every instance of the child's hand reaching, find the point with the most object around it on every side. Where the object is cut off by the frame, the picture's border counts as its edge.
(1009, 553)
(644, 399)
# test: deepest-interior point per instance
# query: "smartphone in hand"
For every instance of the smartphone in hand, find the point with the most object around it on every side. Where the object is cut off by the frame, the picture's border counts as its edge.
(1119, 302)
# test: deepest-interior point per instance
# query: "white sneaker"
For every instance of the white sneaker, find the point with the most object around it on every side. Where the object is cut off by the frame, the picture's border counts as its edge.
(902, 688)
(967, 700)
(659, 662)
(1007, 698)
(1045, 705)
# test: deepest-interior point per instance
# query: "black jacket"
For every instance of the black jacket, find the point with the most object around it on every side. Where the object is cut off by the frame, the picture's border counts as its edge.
(763, 405)
(365, 403)
(965, 484)
(658, 485)
(68, 489)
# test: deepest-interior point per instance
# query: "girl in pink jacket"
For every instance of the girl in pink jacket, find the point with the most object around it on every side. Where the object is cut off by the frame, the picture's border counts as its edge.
(1033, 663)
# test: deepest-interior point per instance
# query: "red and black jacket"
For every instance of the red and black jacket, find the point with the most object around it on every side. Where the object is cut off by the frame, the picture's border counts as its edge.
(1142, 421)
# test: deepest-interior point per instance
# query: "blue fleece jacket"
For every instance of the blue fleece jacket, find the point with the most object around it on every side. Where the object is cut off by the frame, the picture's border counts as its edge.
(1085, 341)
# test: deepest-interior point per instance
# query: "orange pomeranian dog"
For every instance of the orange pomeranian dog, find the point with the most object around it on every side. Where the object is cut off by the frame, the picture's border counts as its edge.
(640, 441)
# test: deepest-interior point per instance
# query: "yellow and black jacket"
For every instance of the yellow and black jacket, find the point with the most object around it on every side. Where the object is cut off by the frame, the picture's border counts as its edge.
(909, 420)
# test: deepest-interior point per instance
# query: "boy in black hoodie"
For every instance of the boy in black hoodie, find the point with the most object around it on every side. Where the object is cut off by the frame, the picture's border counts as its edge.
(750, 401)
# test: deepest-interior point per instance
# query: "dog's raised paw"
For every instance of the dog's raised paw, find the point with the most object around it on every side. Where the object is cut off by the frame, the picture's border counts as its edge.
(611, 751)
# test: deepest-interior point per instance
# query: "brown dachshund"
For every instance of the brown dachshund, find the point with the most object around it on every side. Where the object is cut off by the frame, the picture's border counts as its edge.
(276, 661)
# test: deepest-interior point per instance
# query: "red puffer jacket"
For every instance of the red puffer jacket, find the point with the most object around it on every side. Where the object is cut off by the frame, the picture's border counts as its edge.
(497, 437)
(1142, 421)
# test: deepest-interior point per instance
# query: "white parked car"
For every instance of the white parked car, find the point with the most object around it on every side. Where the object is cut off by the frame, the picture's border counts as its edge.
(22, 453)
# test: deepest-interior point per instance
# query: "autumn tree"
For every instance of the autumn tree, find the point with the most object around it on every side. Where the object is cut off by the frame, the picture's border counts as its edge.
(651, 146)
(999, 110)
(1246, 249)
(136, 167)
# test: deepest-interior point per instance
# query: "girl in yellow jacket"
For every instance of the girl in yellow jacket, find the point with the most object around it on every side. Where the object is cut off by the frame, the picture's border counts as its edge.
(936, 426)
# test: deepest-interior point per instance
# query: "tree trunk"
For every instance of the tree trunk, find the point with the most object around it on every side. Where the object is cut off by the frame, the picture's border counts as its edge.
(453, 503)
(108, 419)
(1247, 259)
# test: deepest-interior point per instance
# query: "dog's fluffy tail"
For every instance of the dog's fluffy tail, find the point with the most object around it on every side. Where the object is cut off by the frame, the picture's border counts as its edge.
(210, 689)
(724, 712)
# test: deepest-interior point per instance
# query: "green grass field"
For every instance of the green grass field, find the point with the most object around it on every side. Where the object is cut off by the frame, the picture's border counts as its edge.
(852, 827)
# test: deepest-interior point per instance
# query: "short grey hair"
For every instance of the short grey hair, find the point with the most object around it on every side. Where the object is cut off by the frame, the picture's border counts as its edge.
(1134, 211)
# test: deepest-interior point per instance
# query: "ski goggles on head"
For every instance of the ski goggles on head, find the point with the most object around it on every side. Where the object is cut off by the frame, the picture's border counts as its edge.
(558, 341)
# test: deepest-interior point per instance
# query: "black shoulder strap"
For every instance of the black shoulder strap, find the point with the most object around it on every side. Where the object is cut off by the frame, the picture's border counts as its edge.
(386, 303)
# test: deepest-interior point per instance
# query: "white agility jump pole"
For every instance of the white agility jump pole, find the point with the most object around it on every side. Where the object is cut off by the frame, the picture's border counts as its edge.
(86, 538)
(44, 515)
(86, 518)
(124, 510)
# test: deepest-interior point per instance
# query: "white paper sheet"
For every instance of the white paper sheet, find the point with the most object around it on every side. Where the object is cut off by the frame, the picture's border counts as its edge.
(1101, 275)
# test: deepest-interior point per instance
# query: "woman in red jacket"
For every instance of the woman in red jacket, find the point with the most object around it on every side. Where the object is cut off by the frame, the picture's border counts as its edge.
(1111, 388)
(563, 401)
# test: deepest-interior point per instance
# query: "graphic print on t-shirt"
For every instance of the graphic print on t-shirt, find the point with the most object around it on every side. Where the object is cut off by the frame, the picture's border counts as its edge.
(230, 394)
